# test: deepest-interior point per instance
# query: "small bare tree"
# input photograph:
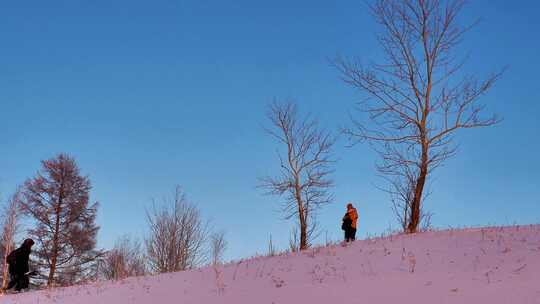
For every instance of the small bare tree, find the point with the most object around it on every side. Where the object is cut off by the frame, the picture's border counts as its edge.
(293, 240)
(57, 201)
(9, 222)
(417, 99)
(218, 245)
(305, 166)
(272, 250)
(177, 235)
(402, 195)
(126, 259)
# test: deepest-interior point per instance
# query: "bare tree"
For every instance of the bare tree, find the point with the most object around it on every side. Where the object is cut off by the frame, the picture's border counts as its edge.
(9, 228)
(293, 240)
(177, 235)
(218, 245)
(401, 193)
(417, 99)
(57, 200)
(272, 251)
(306, 166)
(126, 259)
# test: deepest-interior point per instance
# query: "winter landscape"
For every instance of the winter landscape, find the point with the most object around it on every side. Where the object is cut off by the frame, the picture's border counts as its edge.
(378, 151)
(483, 265)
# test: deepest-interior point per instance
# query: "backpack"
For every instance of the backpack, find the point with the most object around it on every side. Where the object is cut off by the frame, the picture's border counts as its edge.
(11, 258)
(347, 223)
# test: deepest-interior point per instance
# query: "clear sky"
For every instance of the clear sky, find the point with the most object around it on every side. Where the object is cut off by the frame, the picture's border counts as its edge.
(150, 94)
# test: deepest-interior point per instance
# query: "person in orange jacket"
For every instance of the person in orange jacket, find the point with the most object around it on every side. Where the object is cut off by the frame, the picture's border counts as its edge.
(349, 223)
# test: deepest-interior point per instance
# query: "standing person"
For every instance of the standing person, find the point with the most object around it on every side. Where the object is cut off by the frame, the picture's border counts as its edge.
(18, 266)
(352, 216)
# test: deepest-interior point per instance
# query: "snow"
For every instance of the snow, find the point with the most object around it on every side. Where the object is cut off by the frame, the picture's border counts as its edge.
(484, 265)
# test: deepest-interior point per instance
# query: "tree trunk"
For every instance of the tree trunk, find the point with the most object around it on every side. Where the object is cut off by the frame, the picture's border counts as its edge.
(301, 215)
(5, 273)
(419, 189)
(54, 255)
(303, 233)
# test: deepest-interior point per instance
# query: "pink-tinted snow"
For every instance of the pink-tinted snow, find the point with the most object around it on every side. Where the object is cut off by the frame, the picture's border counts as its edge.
(484, 265)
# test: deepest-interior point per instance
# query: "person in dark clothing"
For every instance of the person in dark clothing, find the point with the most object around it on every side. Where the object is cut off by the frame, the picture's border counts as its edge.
(18, 266)
(347, 227)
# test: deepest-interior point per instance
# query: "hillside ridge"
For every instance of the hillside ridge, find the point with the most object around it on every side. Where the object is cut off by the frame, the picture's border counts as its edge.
(472, 265)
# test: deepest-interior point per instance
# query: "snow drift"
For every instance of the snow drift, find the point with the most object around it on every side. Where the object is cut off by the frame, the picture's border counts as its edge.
(484, 265)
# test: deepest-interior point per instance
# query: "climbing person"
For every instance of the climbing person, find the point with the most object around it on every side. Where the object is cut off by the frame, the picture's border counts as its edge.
(349, 223)
(18, 266)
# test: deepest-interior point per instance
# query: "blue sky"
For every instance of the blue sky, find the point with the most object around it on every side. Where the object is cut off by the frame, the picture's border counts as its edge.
(147, 95)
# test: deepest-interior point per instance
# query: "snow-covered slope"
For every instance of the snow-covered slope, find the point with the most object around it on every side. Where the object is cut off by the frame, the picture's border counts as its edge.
(489, 265)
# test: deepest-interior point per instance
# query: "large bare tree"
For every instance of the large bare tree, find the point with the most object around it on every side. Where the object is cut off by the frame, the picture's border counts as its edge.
(177, 235)
(57, 200)
(418, 97)
(9, 227)
(306, 166)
